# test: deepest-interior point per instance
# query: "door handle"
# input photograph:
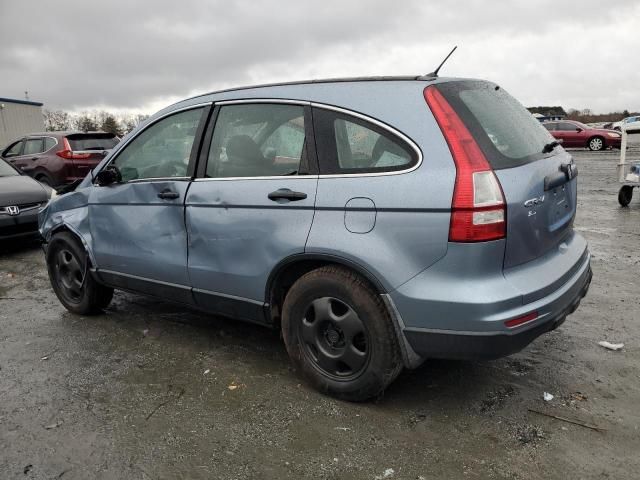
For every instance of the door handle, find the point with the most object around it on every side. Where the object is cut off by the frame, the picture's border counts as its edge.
(168, 195)
(286, 194)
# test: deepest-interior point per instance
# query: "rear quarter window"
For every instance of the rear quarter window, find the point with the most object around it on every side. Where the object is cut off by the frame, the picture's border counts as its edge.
(351, 145)
(508, 134)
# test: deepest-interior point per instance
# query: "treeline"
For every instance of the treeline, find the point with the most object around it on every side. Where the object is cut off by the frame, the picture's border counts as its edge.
(59, 120)
(585, 115)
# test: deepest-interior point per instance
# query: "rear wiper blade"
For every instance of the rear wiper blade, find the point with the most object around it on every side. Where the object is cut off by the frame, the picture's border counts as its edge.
(551, 145)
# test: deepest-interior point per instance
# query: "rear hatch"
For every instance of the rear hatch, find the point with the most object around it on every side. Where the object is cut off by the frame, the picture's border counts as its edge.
(86, 150)
(539, 186)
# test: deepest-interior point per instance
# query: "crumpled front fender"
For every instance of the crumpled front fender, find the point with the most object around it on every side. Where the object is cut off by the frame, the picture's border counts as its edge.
(68, 212)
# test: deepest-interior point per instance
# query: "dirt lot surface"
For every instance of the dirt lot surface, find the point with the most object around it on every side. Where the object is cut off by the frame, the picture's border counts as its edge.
(150, 391)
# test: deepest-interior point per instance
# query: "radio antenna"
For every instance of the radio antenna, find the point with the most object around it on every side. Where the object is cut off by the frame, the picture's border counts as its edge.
(434, 74)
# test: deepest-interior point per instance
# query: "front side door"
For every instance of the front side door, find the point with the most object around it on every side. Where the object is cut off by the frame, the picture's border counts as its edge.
(137, 225)
(570, 134)
(252, 205)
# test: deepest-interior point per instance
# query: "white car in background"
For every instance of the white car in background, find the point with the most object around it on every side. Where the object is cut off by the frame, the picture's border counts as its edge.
(625, 121)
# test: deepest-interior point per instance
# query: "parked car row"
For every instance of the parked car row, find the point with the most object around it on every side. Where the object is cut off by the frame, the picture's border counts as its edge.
(576, 134)
(59, 158)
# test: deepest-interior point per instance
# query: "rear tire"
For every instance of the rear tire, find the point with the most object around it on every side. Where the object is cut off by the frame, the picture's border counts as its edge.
(338, 332)
(625, 195)
(67, 264)
(596, 144)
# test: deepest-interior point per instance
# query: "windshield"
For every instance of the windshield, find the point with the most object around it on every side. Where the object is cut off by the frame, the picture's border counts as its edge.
(581, 125)
(507, 133)
(7, 170)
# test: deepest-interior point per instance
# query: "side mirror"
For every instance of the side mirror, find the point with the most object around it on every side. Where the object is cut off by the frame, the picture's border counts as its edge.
(108, 176)
(578, 129)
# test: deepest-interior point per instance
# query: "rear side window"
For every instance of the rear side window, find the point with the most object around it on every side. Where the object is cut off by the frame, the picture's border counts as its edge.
(550, 126)
(49, 143)
(567, 127)
(92, 141)
(259, 140)
(348, 144)
(507, 133)
(33, 146)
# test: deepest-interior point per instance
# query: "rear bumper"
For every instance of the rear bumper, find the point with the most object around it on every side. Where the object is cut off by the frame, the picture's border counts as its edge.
(491, 345)
(458, 307)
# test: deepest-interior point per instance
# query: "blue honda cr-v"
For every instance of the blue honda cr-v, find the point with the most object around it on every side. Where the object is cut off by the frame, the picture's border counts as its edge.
(377, 222)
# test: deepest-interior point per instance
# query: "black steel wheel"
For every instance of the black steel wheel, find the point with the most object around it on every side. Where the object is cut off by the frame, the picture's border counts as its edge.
(69, 275)
(339, 334)
(68, 268)
(625, 195)
(334, 338)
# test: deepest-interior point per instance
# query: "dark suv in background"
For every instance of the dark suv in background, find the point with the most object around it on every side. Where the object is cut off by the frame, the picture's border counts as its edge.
(59, 158)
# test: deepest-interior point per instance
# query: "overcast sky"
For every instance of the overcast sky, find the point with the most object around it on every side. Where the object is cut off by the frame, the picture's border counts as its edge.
(141, 56)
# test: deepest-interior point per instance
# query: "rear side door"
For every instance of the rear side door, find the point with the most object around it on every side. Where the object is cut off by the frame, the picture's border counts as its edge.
(252, 204)
(137, 225)
(33, 148)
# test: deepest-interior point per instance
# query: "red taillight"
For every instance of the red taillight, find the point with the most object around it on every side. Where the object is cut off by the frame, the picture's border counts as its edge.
(478, 211)
(69, 154)
(516, 322)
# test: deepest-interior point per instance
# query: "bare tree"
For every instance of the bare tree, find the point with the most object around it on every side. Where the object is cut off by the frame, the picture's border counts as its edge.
(56, 120)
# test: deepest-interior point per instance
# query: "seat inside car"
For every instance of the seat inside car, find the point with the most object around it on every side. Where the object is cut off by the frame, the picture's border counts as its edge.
(244, 158)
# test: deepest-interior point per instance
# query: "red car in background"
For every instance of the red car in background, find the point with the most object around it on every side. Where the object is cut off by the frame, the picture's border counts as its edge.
(576, 134)
(59, 158)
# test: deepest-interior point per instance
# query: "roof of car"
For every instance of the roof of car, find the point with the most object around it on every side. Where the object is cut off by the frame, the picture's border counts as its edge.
(321, 80)
(61, 134)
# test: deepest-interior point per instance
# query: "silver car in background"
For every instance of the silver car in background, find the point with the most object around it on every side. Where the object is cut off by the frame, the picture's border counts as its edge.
(377, 222)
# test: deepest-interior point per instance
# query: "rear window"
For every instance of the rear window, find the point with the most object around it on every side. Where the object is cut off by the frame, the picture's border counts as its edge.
(92, 141)
(508, 134)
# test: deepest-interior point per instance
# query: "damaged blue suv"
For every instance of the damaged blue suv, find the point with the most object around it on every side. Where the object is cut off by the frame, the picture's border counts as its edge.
(377, 222)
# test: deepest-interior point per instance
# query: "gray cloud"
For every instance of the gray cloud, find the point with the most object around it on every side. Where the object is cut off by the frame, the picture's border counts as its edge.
(135, 55)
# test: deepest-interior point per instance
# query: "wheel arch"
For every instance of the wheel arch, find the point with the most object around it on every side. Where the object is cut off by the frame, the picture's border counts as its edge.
(290, 269)
(65, 227)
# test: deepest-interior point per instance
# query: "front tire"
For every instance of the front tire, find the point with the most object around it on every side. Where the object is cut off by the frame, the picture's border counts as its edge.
(596, 144)
(67, 264)
(339, 334)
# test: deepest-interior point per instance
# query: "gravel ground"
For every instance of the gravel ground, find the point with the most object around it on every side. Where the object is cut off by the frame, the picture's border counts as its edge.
(149, 391)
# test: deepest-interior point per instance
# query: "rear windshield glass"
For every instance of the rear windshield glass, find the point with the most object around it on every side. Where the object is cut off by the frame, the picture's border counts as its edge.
(92, 141)
(508, 134)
